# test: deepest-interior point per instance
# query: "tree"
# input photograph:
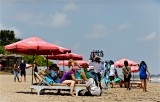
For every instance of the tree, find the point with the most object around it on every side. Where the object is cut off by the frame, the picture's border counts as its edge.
(40, 60)
(7, 37)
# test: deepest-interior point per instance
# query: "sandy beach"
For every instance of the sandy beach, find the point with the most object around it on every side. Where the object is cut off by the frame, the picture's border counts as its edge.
(11, 91)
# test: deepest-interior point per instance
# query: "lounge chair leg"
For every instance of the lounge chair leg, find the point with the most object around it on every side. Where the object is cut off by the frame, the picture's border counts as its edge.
(76, 90)
(38, 91)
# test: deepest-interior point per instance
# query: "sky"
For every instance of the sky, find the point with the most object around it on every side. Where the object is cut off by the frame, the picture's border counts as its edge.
(121, 28)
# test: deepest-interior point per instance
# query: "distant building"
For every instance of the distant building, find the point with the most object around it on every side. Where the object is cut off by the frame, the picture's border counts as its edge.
(7, 61)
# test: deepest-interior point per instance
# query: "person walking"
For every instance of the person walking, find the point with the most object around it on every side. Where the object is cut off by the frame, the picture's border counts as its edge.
(16, 72)
(23, 70)
(143, 70)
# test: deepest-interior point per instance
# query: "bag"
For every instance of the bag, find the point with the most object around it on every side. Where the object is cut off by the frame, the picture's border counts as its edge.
(117, 80)
(49, 80)
(92, 86)
(84, 92)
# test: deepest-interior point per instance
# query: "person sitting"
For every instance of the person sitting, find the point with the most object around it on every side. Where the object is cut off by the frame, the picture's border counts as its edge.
(68, 78)
(71, 64)
(82, 73)
(60, 74)
(53, 73)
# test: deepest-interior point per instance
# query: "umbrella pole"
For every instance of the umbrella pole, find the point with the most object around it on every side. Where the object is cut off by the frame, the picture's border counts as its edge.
(47, 61)
(63, 66)
(133, 76)
(32, 73)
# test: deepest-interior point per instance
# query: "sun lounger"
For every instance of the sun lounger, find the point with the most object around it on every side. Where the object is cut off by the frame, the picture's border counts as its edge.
(41, 86)
(120, 83)
(135, 82)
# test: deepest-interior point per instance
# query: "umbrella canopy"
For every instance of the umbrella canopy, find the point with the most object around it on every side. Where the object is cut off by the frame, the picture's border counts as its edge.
(65, 63)
(65, 56)
(65, 50)
(34, 45)
(134, 68)
(120, 63)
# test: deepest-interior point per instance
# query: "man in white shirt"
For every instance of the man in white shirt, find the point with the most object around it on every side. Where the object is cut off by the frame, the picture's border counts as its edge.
(97, 66)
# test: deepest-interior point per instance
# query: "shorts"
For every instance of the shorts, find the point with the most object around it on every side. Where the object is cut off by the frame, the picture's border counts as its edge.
(126, 79)
(111, 78)
(23, 73)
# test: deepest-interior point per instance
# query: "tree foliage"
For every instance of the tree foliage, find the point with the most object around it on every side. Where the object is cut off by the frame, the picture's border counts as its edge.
(40, 60)
(7, 37)
(2, 51)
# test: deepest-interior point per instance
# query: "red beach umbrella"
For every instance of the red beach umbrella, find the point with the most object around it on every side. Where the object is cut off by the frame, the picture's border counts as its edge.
(65, 56)
(65, 50)
(33, 45)
(134, 68)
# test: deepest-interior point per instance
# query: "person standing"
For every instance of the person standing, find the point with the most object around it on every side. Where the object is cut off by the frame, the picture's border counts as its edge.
(126, 70)
(112, 72)
(143, 75)
(35, 70)
(16, 72)
(23, 70)
(97, 66)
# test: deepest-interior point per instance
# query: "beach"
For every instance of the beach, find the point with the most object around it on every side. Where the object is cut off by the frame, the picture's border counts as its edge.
(11, 91)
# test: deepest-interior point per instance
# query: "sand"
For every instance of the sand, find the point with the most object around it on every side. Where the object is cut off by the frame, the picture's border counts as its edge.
(11, 91)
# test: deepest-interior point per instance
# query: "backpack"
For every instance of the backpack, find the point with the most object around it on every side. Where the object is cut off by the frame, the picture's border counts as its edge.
(92, 86)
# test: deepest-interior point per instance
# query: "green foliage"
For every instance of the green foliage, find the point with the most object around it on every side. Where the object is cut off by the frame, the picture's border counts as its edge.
(40, 60)
(7, 37)
(3, 51)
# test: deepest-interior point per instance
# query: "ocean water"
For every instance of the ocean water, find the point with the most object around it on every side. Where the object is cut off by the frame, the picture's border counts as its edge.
(155, 80)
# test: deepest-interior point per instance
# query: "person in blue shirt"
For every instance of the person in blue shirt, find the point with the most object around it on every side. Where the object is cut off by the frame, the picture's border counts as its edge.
(143, 70)
(53, 73)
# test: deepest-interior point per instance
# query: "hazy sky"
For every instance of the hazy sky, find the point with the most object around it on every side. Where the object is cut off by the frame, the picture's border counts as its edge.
(121, 28)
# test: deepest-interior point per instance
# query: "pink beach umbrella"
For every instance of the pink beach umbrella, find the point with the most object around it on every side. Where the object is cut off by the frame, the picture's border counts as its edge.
(27, 66)
(65, 63)
(120, 63)
(134, 68)
(65, 57)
